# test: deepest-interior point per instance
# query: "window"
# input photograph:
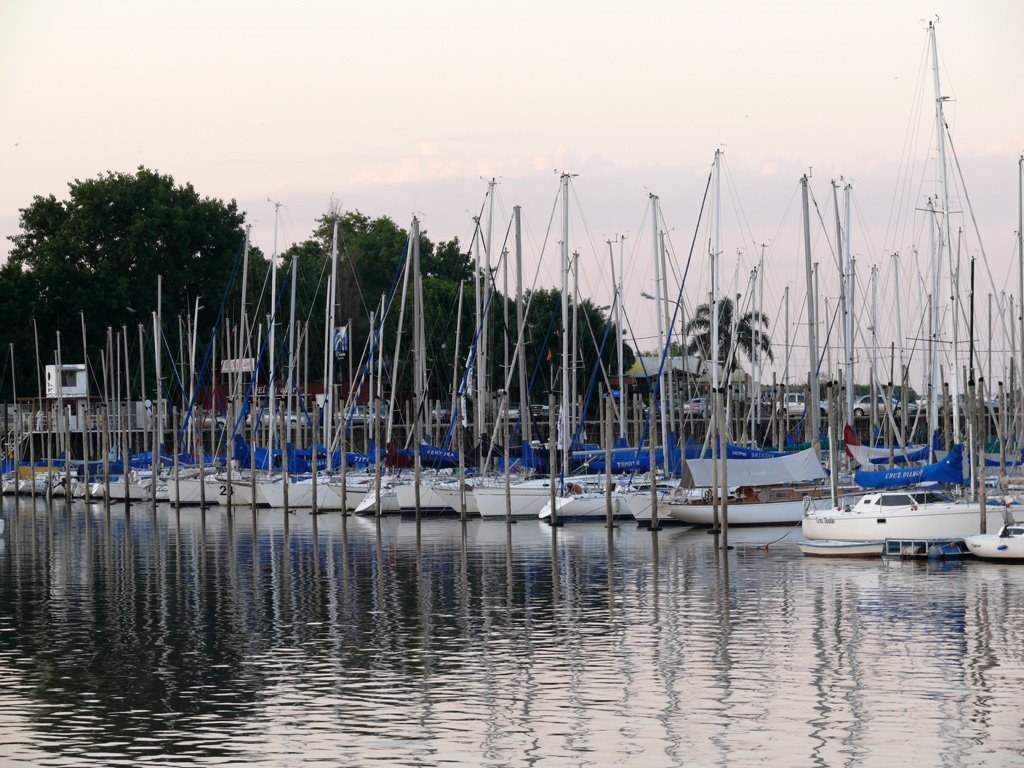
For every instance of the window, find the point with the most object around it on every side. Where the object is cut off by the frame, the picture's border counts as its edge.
(895, 500)
(68, 379)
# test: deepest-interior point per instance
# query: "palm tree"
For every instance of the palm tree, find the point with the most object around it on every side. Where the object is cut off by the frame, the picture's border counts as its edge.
(750, 332)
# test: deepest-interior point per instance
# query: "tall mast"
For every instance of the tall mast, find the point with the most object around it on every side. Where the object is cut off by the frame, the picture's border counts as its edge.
(846, 294)
(618, 323)
(656, 251)
(943, 244)
(419, 369)
(1020, 260)
(484, 351)
(716, 249)
(933, 325)
(575, 347)
(291, 384)
(564, 415)
(329, 353)
(272, 429)
(874, 348)
(524, 406)
(478, 418)
(812, 324)
(899, 324)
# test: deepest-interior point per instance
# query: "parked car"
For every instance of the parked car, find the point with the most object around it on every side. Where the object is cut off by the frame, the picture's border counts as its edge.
(696, 406)
(441, 413)
(991, 406)
(795, 403)
(862, 406)
(539, 411)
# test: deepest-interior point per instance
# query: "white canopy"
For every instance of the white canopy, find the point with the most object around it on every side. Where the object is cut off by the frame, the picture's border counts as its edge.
(796, 468)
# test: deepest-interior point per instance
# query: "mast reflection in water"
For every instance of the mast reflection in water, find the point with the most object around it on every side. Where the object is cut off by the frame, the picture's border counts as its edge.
(203, 638)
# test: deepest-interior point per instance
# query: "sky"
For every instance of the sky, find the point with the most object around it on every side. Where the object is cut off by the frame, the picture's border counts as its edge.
(402, 109)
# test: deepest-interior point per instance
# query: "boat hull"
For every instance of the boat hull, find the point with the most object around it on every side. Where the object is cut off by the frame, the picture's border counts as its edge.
(991, 546)
(768, 513)
(932, 522)
(833, 548)
(586, 507)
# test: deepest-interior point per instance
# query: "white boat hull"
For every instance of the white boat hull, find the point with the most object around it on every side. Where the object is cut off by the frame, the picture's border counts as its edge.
(927, 521)
(527, 498)
(757, 513)
(586, 507)
(641, 506)
(992, 546)
(833, 548)
(388, 503)
(431, 502)
(300, 495)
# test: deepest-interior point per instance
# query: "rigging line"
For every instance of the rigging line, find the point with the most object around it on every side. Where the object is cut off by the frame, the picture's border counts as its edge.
(675, 311)
(974, 221)
(213, 334)
(598, 367)
(586, 228)
(252, 381)
(900, 197)
(741, 214)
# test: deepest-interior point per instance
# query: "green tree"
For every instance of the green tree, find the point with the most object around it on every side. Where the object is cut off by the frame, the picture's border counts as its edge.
(99, 251)
(750, 333)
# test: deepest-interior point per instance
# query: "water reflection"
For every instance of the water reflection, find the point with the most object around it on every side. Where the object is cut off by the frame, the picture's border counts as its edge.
(196, 637)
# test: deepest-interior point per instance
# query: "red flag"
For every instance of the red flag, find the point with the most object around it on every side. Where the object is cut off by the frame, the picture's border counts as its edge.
(549, 356)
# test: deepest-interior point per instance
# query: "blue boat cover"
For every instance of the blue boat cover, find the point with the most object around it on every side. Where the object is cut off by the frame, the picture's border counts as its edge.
(949, 471)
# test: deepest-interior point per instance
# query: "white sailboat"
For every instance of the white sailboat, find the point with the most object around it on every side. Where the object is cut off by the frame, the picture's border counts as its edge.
(916, 514)
(761, 492)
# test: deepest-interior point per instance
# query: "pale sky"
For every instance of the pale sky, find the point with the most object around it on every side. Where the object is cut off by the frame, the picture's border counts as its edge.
(399, 108)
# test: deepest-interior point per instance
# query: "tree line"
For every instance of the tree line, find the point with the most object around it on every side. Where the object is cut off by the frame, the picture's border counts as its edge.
(92, 261)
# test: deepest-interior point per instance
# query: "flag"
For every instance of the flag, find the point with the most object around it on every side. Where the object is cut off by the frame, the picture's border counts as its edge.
(340, 341)
(549, 356)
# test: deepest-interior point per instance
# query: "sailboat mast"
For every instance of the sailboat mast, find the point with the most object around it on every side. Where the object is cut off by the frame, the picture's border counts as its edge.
(812, 325)
(524, 405)
(618, 323)
(846, 294)
(272, 427)
(329, 353)
(478, 418)
(933, 326)
(940, 137)
(292, 382)
(656, 250)
(564, 415)
(1020, 260)
(715, 250)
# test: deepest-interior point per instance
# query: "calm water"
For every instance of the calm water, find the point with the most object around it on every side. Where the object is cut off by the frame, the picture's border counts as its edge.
(206, 640)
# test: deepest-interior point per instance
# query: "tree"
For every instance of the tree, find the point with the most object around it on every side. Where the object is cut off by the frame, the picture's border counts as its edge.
(750, 333)
(99, 252)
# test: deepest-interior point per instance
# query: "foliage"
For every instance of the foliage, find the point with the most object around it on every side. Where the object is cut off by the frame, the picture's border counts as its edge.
(99, 251)
(748, 334)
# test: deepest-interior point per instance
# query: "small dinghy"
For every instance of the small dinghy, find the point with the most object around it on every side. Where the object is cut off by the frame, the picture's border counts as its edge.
(1008, 544)
(836, 548)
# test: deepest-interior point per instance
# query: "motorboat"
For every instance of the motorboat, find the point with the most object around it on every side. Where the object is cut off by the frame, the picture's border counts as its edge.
(1007, 545)
(914, 514)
